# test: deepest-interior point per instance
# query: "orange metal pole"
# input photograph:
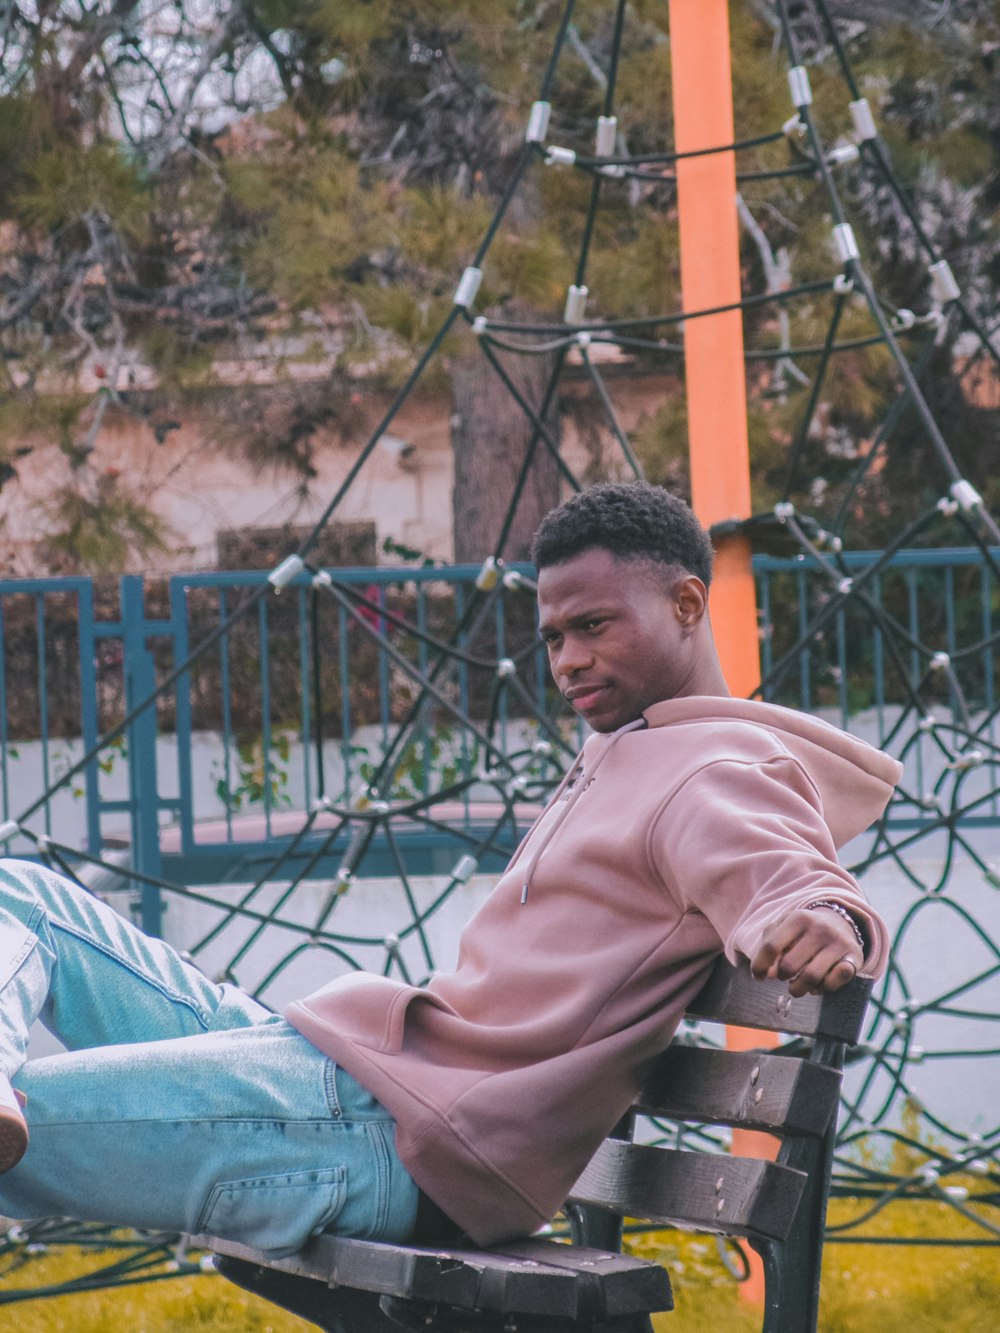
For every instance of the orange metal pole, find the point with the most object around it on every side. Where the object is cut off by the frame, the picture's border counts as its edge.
(715, 372)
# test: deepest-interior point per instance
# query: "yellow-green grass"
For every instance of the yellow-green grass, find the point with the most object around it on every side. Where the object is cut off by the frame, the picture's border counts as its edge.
(866, 1288)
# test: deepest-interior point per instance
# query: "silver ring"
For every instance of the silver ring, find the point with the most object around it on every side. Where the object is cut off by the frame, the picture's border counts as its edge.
(851, 963)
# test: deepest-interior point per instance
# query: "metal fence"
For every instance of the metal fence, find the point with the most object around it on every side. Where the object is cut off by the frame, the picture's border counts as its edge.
(299, 700)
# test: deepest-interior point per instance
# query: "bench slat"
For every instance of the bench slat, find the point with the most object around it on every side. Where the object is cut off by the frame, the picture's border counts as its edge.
(746, 1088)
(740, 1196)
(524, 1277)
(734, 995)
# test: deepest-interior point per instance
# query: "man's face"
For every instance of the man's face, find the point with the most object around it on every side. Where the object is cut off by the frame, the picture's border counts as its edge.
(618, 639)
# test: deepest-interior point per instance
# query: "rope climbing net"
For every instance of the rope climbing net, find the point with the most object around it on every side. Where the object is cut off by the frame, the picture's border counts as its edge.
(927, 863)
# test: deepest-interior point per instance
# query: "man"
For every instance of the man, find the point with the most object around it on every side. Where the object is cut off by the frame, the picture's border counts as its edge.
(691, 824)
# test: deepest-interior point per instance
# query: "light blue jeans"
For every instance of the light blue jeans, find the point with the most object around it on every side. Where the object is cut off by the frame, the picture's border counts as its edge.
(181, 1105)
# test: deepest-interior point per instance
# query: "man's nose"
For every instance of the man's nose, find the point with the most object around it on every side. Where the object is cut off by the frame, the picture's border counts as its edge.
(573, 655)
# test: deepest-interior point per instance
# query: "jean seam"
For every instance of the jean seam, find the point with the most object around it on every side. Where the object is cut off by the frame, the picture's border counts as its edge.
(155, 983)
(330, 1089)
(376, 1137)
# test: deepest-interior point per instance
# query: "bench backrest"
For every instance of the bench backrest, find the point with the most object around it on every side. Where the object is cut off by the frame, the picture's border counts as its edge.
(791, 1095)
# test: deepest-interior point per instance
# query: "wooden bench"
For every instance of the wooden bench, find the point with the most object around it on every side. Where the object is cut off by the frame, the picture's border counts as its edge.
(544, 1286)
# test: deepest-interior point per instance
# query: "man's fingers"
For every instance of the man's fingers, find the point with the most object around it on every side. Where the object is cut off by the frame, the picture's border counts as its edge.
(812, 951)
(775, 945)
(826, 971)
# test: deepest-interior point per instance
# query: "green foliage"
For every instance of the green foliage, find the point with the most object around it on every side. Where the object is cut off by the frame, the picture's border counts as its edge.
(260, 774)
(179, 361)
(28, 416)
(66, 182)
(315, 222)
(359, 199)
(660, 443)
(102, 531)
(432, 761)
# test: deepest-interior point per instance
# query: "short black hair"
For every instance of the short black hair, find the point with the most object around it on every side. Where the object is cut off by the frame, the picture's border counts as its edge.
(634, 520)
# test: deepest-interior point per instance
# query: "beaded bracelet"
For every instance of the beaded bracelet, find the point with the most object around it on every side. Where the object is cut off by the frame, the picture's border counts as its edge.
(842, 911)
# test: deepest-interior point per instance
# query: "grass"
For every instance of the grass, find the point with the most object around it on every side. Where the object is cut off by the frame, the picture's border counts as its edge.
(866, 1288)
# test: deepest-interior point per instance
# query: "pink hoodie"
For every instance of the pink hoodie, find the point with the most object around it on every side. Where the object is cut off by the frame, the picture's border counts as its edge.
(666, 845)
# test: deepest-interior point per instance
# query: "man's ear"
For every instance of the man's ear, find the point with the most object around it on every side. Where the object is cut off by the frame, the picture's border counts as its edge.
(691, 600)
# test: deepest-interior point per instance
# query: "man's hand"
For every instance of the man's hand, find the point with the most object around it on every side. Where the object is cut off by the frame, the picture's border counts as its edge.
(813, 950)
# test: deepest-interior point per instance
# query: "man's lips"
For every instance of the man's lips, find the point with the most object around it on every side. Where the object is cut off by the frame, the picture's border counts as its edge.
(584, 697)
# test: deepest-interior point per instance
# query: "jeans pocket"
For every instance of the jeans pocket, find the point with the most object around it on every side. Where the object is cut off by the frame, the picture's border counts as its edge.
(275, 1213)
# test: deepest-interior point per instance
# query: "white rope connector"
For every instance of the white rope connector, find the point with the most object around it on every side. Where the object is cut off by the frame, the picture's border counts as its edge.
(798, 86)
(940, 662)
(289, 569)
(44, 843)
(506, 667)
(843, 155)
(464, 868)
(513, 579)
(843, 239)
(965, 494)
(979, 1166)
(380, 807)
(468, 287)
(930, 1174)
(606, 136)
(864, 121)
(970, 759)
(845, 586)
(559, 157)
(583, 339)
(345, 878)
(322, 579)
(576, 303)
(947, 506)
(320, 804)
(391, 943)
(538, 122)
(905, 319)
(8, 828)
(794, 125)
(927, 723)
(543, 748)
(489, 576)
(479, 325)
(944, 288)
(843, 285)
(957, 1192)
(784, 510)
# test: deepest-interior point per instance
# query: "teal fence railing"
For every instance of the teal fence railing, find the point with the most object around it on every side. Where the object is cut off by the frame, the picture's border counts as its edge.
(296, 703)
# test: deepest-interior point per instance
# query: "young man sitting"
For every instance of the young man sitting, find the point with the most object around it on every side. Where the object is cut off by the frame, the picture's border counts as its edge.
(692, 824)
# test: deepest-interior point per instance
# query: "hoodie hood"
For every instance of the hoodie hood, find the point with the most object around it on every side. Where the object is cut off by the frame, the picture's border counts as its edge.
(854, 780)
